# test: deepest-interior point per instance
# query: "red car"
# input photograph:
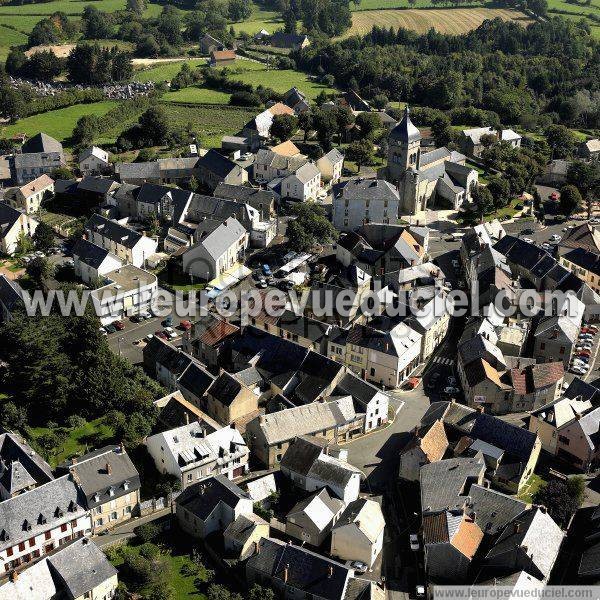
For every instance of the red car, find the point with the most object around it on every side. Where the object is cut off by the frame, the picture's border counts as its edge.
(584, 353)
(161, 334)
(119, 325)
(185, 325)
(554, 196)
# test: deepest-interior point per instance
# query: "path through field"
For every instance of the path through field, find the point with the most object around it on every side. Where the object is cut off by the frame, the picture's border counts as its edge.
(448, 20)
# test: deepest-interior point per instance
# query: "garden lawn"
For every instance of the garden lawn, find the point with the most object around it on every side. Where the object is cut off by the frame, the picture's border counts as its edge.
(534, 483)
(176, 551)
(57, 123)
(79, 440)
(282, 81)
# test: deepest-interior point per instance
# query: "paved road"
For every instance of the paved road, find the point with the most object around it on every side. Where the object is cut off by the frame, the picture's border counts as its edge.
(124, 532)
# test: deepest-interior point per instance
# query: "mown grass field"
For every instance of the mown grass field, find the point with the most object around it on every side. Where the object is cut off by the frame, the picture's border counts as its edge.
(388, 4)
(282, 81)
(57, 123)
(166, 71)
(195, 95)
(71, 7)
(449, 20)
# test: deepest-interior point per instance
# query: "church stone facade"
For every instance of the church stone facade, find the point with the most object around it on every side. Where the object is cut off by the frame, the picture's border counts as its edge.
(423, 179)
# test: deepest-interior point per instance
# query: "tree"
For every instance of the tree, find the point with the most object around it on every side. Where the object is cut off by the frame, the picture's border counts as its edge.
(310, 226)
(147, 532)
(24, 244)
(538, 7)
(155, 125)
(361, 152)
(258, 592)
(484, 199)
(306, 122)
(561, 140)
(96, 25)
(39, 270)
(499, 188)
(561, 498)
(284, 127)
(239, 10)
(570, 200)
(136, 6)
(243, 98)
(380, 101)
(440, 128)
(586, 178)
(368, 124)
(43, 237)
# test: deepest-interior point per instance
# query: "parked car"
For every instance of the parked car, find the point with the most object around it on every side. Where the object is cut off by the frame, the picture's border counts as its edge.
(414, 542)
(167, 322)
(285, 284)
(119, 325)
(555, 238)
(528, 240)
(554, 196)
(170, 333)
(527, 231)
(149, 337)
(185, 325)
(592, 328)
(246, 156)
(450, 390)
(583, 353)
(136, 318)
(420, 591)
(161, 334)
(110, 328)
(103, 331)
(145, 315)
(452, 380)
(261, 283)
(546, 246)
(266, 269)
(578, 370)
(359, 566)
(455, 263)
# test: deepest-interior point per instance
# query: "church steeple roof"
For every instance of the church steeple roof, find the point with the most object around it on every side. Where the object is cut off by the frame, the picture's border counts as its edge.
(405, 131)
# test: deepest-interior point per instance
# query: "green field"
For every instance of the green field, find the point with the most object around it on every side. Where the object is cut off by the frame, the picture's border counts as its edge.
(71, 7)
(197, 95)
(210, 122)
(57, 123)
(282, 81)
(166, 71)
(269, 20)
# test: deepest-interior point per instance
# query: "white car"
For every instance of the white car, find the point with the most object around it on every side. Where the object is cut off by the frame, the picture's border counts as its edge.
(546, 246)
(414, 542)
(528, 240)
(246, 156)
(171, 333)
(420, 591)
(578, 370)
(555, 238)
(359, 566)
(451, 390)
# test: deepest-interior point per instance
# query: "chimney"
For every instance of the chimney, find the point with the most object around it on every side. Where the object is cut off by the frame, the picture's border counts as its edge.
(74, 461)
(256, 548)
(517, 527)
(122, 448)
(187, 418)
(481, 409)
(543, 509)
(14, 576)
(329, 572)
(286, 573)
(108, 469)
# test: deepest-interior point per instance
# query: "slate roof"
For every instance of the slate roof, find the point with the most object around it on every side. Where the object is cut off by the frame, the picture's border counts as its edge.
(89, 253)
(216, 163)
(105, 474)
(493, 510)
(218, 239)
(590, 425)
(112, 230)
(535, 537)
(501, 434)
(196, 379)
(362, 391)
(443, 482)
(43, 160)
(584, 236)
(319, 507)
(374, 189)
(302, 453)
(479, 347)
(306, 419)
(405, 131)
(242, 193)
(225, 388)
(589, 565)
(8, 217)
(242, 528)
(306, 570)
(97, 185)
(366, 514)
(10, 293)
(81, 566)
(579, 387)
(590, 261)
(41, 142)
(306, 172)
(93, 151)
(150, 193)
(202, 498)
(40, 509)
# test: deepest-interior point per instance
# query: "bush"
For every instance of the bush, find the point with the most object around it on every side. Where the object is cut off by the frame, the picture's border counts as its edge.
(244, 99)
(149, 550)
(147, 532)
(75, 421)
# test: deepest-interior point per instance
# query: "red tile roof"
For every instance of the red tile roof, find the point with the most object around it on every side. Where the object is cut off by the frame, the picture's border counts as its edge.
(217, 332)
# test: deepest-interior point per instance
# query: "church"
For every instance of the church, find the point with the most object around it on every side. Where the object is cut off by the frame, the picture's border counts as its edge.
(439, 178)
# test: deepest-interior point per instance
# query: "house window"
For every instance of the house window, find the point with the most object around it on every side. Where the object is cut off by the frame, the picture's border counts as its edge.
(63, 527)
(31, 542)
(9, 552)
(21, 546)
(47, 535)
(564, 440)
